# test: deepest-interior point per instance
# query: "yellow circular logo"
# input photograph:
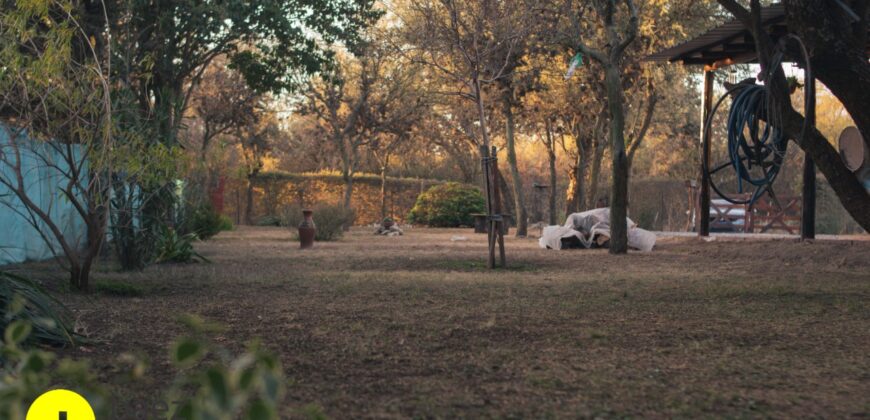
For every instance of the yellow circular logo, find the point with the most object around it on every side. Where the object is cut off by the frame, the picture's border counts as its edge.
(60, 404)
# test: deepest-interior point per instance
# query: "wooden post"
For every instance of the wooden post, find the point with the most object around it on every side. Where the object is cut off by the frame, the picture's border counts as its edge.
(808, 193)
(488, 183)
(704, 199)
(498, 226)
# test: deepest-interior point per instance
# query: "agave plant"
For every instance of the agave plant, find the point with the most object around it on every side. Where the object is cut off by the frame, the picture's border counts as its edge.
(173, 247)
(23, 299)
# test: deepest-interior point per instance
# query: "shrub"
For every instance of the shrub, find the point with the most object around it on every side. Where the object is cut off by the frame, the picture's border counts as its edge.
(226, 224)
(23, 300)
(448, 205)
(206, 222)
(330, 220)
(172, 247)
(27, 373)
(213, 385)
(269, 220)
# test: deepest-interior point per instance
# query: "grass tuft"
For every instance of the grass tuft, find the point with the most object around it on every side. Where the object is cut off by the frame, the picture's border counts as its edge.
(117, 288)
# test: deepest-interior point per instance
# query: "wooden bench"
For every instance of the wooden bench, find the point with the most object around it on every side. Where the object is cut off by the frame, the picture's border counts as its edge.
(765, 215)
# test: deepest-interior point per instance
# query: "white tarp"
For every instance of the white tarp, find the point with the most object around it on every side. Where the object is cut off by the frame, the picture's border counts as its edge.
(585, 226)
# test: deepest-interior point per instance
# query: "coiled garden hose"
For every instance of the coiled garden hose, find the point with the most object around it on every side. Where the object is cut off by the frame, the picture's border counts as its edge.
(765, 146)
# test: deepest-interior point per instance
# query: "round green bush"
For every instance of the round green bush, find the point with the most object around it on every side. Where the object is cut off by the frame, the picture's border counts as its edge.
(448, 205)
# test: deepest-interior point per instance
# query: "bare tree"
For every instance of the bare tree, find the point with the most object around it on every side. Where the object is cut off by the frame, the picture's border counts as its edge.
(610, 57)
(57, 115)
(223, 102)
(255, 141)
(470, 44)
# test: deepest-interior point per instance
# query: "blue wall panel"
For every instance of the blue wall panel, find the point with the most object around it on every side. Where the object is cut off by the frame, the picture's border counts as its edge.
(19, 240)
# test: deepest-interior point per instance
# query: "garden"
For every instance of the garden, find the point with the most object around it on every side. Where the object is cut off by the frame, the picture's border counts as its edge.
(434, 209)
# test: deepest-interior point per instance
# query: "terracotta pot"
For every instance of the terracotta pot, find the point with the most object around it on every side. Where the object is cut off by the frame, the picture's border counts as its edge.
(307, 230)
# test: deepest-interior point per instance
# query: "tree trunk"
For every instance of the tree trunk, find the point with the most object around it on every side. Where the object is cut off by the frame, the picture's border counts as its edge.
(519, 196)
(507, 198)
(619, 189)
(839, 60)
(576, 195)
(249, 202)
(551, 154)
(384, 187)
(595, 174)
(348, 189)
(484, 135)
(845, 184)
(79, 276)
(96, 231)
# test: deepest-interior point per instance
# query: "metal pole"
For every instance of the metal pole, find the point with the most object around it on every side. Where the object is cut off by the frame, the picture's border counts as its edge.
(704, 199)
(808, 205)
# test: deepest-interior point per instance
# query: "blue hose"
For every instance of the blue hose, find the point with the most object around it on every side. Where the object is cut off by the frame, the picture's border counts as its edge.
(765, 146)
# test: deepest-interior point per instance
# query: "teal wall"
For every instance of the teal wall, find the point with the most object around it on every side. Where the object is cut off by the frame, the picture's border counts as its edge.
(42, 168)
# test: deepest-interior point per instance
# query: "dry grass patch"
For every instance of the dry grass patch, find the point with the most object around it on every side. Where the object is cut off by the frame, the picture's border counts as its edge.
(415, 326)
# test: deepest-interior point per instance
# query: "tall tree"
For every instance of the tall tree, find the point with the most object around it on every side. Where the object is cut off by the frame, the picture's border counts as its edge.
(513, 21)
(610, 57)
(338, 99)
(463, 42)
(255, 141)
(365, 98)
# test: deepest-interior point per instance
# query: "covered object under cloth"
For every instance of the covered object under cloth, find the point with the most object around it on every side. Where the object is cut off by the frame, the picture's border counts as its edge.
(585, 226)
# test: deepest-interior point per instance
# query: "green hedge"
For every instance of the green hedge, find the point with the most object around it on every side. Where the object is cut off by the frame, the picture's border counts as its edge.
(448, 205)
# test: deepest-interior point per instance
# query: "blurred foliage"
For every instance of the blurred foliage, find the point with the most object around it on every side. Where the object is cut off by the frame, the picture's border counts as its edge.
(448, 205)
(27, 373)
(23, 300)
(213, 384)
(210, 383)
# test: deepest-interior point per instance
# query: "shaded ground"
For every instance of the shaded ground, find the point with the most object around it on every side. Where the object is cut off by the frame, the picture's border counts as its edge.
(414, 326)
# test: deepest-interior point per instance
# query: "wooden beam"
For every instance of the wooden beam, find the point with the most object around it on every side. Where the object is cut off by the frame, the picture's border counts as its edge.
(808, 192)
(704, 199)
(716, 55)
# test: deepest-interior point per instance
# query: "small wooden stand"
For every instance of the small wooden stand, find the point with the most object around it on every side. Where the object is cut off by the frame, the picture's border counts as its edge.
(493, 206)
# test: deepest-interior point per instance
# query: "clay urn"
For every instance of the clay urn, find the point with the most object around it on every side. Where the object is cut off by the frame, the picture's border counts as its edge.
(307, 230)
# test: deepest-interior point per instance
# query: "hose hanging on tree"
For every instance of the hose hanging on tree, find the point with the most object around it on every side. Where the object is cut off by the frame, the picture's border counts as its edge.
(765, 146)
(755, 137)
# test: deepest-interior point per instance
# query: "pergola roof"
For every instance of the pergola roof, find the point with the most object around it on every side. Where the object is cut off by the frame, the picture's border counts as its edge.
(729, 43)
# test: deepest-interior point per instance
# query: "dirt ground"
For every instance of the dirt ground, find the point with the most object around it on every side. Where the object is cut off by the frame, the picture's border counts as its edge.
(415, 326)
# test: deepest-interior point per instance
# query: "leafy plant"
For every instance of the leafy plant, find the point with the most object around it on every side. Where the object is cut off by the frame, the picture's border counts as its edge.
(330, 220)
(27, 373)
(172, 247)
(448, 205)
(206, 222)
(212, 384)
(23, 300)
